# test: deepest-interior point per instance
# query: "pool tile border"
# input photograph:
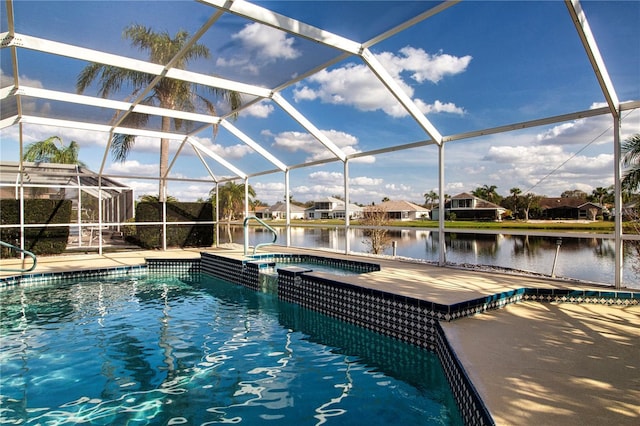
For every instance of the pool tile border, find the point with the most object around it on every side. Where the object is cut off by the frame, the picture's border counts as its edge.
(50, 277)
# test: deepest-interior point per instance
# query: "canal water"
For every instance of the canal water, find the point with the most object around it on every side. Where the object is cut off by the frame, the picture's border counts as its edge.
(588, 259)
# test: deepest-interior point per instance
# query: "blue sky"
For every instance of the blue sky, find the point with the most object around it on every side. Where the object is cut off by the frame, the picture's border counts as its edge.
(473, 66)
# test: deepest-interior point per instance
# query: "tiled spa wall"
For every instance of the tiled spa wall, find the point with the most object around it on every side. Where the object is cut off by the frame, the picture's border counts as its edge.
(402, 318)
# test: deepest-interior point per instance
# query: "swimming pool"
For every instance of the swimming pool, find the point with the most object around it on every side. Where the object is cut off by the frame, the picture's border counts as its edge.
(166, 351)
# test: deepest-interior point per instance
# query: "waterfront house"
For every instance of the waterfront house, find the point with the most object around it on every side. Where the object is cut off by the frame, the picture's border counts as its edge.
(332, 208)
(570, 208)
(469, 207)
(403, 210)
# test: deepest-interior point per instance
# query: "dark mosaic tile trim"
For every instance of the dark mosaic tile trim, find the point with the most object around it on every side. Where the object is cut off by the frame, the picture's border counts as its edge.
(600, 297)
(318, 260)
(471, 406)
(231, 270)
(183, 269)
(51, 277)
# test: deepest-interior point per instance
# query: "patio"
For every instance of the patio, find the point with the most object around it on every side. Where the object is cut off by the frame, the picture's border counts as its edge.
(532, 363)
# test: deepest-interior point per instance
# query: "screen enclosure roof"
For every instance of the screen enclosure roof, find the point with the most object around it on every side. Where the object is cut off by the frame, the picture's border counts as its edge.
(312, 77)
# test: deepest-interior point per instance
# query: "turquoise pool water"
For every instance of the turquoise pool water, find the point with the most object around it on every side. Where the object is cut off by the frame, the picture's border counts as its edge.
(342, 271)
(166, 352)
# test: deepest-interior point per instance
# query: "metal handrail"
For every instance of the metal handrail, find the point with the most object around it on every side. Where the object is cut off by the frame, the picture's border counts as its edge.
(246, 234)
(27, 252)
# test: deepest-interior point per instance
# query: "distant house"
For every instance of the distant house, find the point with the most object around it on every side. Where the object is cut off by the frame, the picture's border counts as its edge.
(403, 210)
(279, 211)
(262, 212)
(469, 207)
(332, 208)
(570, 208)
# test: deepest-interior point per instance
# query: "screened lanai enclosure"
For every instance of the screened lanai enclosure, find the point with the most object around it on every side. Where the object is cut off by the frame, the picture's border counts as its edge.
(91, 197)
(305, 100)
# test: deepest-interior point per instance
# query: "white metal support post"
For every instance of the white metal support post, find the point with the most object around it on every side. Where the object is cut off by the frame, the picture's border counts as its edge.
(246, 197)
(347, 247)
(288, 206)
(442, 259)
(217, 215)
(21, 200)
(79, 210)
(99, 215)
(583, 28)
(164, 223)
(246, 213)
(617, 191)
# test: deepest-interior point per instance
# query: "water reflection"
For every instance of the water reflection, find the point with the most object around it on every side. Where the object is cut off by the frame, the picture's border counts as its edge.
(589, 259)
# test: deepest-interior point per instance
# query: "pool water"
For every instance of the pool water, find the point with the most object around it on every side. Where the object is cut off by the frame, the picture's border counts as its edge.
(166, 352)
(316, 267)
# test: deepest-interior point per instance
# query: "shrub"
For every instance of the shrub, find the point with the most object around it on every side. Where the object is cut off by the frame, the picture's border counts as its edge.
(150, 236)
(41, 240)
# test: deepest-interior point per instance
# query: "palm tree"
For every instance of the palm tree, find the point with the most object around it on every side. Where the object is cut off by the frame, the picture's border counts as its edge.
(148, 198)
(430, 198)
(231, 201)
(515, 193)
(631, 160)
(167, 93)
(47, 151)
(599, 194)
(487, 192)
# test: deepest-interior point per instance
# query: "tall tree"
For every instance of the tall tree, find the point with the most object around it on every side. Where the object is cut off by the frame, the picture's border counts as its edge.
(599, 194)
(167, 93)
(530, 201)
(513, 202)
(488, 193)
(53, 150)
(231, 201)
(430, 198)
(631, 161)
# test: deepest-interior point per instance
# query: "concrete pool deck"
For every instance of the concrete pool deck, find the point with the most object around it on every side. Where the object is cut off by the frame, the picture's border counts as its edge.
(532, 363)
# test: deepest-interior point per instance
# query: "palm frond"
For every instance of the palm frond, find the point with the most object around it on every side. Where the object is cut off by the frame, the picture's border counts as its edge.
(121, 145)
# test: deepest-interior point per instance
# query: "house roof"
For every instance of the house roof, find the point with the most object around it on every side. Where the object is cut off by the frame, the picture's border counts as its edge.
(282, 207)
(401, 205)
(565, 202)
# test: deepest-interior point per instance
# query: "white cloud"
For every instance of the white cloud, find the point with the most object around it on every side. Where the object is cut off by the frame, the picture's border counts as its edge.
(260, 45)
(329, 178)
(267, 42)
(424, 66)
(259, 110)
(397, 187)
(598, 129)
(133, 167)
(231, 152)
(305, 142)
(355, 85)
(269, 192)
(366, 181)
